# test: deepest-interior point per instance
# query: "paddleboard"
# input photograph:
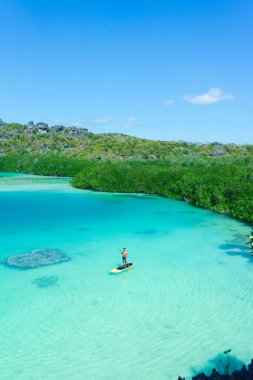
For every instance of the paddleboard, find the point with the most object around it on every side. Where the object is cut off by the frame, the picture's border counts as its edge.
(122, 269)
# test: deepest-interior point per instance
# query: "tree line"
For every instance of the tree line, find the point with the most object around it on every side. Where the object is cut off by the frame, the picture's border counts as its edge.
(224, 185)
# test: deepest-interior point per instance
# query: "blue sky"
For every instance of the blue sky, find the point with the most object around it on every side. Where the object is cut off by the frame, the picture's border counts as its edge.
(160, 69)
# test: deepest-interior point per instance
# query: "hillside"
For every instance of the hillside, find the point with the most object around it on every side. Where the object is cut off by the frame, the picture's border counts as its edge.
(79, 142)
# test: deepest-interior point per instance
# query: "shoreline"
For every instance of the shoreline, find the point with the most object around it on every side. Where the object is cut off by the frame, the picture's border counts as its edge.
(223, 213)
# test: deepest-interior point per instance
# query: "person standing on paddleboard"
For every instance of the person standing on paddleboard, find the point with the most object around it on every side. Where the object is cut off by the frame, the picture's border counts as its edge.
(124, 257)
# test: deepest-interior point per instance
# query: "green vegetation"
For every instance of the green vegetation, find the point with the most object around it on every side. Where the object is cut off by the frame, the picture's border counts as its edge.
(213, 176)
(224, 185)
(79, 143)
(44, 164)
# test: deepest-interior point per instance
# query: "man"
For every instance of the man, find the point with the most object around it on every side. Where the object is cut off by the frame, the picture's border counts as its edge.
(124, 257)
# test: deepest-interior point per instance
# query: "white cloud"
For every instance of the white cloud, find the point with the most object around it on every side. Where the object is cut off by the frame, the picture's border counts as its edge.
(101, 120)
(77, 124)
(130, 121)
(168, 102)
(214, 95)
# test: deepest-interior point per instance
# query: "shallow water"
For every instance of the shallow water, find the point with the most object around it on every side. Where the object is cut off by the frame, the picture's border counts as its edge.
(188, 298)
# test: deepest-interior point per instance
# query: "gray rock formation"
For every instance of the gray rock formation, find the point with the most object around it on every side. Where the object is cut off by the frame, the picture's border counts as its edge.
(57, 128)
(2, 123)
(76, 132)
(5, 136)
(36, 258)
(217, 152)
(30, 125)
(42, 127)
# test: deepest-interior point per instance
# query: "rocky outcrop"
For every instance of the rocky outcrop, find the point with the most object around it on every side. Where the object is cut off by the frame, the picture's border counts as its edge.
(2, 123)
(43, 128)
(57, 128)
(36, 258)
(217, 152)
(30, 125)
(40, 127)
(76, 132)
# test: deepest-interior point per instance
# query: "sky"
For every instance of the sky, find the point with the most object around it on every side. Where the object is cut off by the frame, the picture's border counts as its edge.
(156, 69)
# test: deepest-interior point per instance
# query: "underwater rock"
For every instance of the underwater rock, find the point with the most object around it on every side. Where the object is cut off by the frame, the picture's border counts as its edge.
(243, 374)
(45, 281)
(147, 232)
(200, 376)
(36, 258)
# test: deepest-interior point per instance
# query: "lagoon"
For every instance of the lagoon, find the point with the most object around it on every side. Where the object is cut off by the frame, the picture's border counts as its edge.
(188, 298)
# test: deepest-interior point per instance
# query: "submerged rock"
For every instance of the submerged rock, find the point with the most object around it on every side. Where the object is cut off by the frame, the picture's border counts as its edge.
(243, 374)
(44, 282)
(36, 258)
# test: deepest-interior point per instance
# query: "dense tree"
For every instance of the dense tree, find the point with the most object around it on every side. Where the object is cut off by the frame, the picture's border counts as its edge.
(224, 185)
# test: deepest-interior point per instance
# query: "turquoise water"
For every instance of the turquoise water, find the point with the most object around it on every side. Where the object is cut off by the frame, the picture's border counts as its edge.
(188, 298)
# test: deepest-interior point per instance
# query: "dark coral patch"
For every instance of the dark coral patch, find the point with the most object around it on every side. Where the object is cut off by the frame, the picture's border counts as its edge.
(147, 232)
(45, 281)
(82, 229)
(36, 258)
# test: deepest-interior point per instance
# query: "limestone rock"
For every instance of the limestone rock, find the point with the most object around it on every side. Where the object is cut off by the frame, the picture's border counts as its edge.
(30, 125)
(57, 128)
(217, 152)
(76, 132)
(42, 127)
(2, 123)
